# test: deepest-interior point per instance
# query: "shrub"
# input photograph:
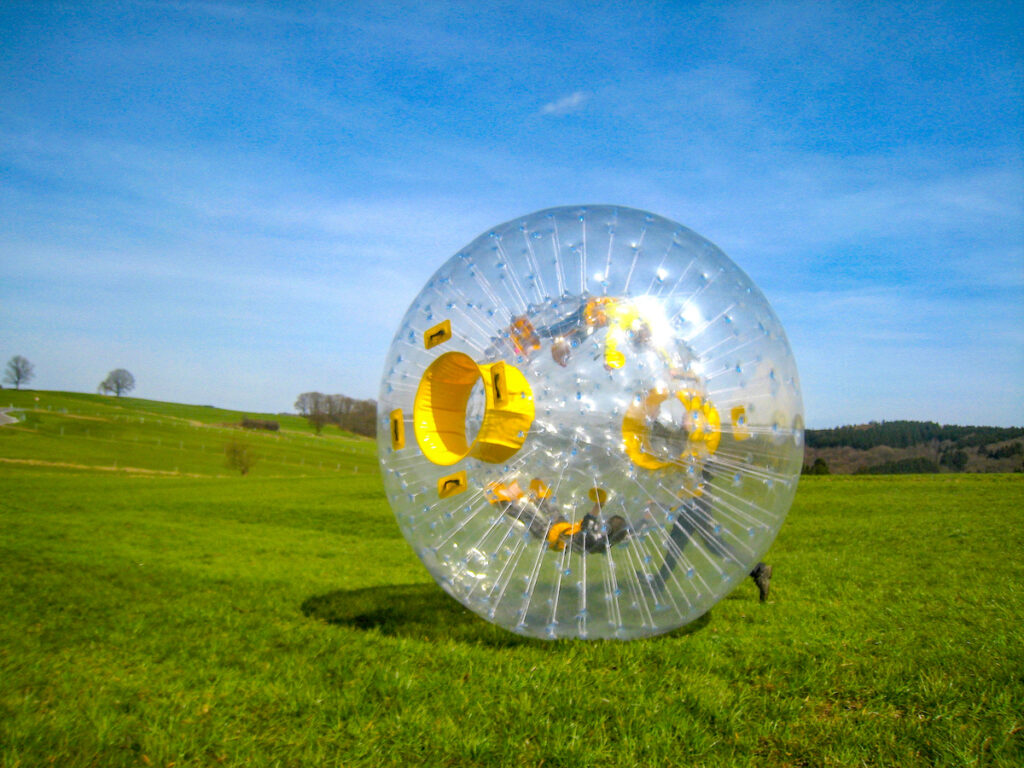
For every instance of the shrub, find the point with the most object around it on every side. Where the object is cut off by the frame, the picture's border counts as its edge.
(239, 456)
(819, 467)
(267, 424)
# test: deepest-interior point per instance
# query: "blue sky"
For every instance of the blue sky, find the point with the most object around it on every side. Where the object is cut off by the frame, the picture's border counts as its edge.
(238, 201)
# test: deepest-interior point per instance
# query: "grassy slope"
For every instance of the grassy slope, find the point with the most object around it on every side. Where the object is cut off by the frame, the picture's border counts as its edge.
(129, 434)
(280, 619)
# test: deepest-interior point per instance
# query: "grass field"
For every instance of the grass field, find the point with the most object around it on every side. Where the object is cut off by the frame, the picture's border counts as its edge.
(159, 609)
(144, 436)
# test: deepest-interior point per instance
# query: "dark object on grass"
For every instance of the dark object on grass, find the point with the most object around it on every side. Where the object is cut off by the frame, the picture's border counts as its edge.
(267, 424)
(762, 576)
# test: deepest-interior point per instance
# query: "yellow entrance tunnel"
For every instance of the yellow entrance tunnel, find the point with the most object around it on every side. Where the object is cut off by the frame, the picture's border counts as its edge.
(439, 410)
(703, 438)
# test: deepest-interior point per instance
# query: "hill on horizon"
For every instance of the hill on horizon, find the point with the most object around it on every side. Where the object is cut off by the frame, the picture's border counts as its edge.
(99, 428)
(896, 447)
(93, 432)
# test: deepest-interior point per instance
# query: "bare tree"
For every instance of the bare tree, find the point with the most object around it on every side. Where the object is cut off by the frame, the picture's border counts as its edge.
(118, 380)
(19, 371)
(359, 416)
(315, 407)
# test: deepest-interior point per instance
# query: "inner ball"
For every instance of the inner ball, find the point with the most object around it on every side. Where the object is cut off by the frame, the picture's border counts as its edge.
(590, 424)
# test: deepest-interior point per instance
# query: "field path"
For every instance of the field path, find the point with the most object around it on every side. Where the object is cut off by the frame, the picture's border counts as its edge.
(6, 418)
(115, 468)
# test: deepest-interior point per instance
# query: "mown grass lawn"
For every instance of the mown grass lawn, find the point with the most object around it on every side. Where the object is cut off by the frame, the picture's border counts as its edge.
(204, 618)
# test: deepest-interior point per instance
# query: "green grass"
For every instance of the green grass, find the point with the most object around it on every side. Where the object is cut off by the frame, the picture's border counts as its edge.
(130, 435)
(280, 619)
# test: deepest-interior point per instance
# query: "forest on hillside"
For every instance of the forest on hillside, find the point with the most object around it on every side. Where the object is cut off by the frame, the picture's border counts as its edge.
(904, 434)
(913, 447)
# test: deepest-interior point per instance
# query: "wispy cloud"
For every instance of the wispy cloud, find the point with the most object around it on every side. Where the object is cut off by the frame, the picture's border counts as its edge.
(571, 103)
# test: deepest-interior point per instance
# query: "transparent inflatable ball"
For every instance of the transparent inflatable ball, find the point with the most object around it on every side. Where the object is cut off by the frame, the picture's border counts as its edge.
(590, 424)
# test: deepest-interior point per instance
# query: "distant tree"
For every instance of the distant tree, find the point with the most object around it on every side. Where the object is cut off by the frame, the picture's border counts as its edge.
(19, 371)
(358, 416)
(239, 456)
(955, 459)
(118, 380)
(903, 434)
(315, 407)
(1006, 451)
(819, 467)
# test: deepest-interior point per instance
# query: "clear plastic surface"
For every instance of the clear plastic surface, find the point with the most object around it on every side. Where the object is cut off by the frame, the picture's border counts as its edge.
(590, 424)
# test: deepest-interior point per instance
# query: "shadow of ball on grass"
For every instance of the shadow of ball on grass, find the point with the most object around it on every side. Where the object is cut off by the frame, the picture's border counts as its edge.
(422, 611)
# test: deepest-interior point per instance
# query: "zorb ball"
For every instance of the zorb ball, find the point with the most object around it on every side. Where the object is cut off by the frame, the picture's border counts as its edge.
(590, 424)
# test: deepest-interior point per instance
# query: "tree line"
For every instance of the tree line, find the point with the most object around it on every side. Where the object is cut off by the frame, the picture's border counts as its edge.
(358, 416)
(918, 465)
(904, 434)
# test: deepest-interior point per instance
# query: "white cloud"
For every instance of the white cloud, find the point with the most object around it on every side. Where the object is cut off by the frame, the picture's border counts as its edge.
(571, 103)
